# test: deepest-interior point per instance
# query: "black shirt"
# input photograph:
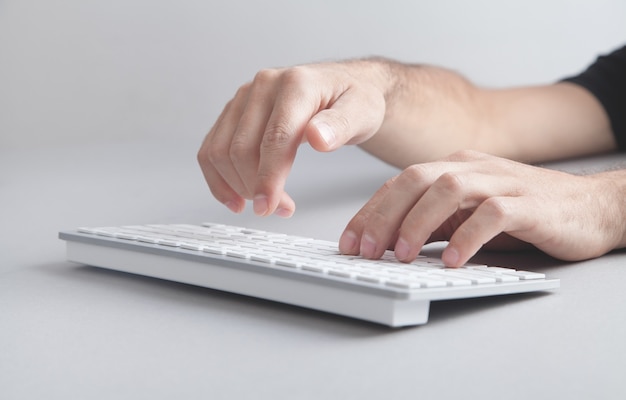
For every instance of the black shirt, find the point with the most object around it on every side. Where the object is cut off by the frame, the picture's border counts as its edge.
(606, 80)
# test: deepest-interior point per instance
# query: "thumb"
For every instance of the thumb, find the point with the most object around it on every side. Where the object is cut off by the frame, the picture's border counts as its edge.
(352, 119)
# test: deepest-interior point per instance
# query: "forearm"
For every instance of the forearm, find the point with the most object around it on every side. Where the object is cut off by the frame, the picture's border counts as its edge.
(432, 112)
(543, 123)
(612, 201)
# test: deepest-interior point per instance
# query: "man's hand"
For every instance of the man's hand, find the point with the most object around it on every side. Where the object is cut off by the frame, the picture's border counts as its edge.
(472, 199)
(249, 152)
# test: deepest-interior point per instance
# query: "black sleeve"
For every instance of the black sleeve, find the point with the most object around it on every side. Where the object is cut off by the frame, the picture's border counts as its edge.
(606, 80)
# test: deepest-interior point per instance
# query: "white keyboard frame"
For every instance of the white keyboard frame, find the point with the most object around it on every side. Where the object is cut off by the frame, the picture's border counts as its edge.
(394, 307)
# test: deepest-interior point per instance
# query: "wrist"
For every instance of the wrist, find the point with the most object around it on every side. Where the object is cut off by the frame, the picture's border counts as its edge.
(614, 188)
(430, 112)
(383, 73)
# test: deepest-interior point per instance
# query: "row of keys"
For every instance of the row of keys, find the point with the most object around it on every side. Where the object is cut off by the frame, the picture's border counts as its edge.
(311, 256)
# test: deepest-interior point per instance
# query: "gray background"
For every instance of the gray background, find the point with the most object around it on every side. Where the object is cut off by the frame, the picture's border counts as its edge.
(102, 108)
(83, 70)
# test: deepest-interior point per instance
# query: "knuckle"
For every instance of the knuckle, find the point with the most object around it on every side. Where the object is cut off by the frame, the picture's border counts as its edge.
(450, 183)
(265, 76)
(202, 156)
(389, 184)
(415, 172)
(497, 208)
(278, 135)
(215, 154)
(242, 93)
(296, 76)
(238, 150)
(466, 155)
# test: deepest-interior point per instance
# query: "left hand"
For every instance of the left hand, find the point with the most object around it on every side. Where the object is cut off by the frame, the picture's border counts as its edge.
(472, 199)
(250, 150)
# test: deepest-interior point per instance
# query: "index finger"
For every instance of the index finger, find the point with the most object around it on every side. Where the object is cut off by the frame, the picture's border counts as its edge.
(292, 111)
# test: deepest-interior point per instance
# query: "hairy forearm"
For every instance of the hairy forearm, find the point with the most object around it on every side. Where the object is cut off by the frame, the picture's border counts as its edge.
(613, 203)
(432, 112)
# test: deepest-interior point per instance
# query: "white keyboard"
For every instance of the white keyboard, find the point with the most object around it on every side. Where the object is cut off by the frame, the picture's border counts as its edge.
(295, 270)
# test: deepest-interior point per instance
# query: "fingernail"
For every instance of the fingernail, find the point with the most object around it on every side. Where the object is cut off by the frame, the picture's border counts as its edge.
(233, 206)
(260, 204)
(402, 249)
(450, 257)
(327, 134)
(368, 246)
(348, 242)
(283, 212)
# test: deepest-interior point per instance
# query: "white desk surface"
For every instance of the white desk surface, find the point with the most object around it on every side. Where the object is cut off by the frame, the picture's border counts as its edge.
(69, 331)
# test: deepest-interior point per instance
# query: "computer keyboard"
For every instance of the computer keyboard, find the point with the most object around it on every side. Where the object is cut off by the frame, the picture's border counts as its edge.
(294, 270)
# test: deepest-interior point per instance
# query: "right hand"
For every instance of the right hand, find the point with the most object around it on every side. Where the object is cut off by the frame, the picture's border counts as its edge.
(249, 152)
(472, 199)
